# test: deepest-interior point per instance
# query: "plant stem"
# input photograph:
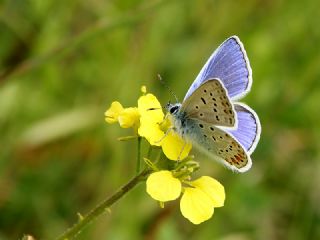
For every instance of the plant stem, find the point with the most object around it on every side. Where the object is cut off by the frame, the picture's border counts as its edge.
(138, 155)
(103, 206)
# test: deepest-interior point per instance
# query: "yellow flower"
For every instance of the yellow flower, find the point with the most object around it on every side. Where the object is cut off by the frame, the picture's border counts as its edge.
(212, 188)
(151, 116)
(157, 130)
(162, 186)
(196, 206)
(174, 147)
(149, 121)
(127, 117)
(112, 114)
(198, 200)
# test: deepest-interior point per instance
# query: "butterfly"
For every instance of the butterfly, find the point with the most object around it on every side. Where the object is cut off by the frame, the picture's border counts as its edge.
(210, 116)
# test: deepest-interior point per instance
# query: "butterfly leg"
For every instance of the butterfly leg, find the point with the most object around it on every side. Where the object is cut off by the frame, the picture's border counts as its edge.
(181, 151)
(166, 134)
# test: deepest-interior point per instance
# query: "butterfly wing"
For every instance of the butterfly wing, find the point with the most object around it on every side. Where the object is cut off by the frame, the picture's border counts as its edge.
(210, 104)
(249, 128)
(220, 145)
(229, 63)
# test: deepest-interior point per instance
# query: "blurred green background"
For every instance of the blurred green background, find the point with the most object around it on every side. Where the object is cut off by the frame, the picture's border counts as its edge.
(63, 62)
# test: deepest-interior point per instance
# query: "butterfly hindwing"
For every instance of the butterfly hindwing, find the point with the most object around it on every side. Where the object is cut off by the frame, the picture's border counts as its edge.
(248, 131)
(220, 145)
(210, 104)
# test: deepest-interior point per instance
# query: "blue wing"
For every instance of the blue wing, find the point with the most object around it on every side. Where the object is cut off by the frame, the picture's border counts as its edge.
(249, 128)
(230, 64)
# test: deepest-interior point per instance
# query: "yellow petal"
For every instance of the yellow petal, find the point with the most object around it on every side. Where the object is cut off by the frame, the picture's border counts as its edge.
(111, 115)
(150, 106)
(174, 147)
(196, 206)
(212, 188)
(129, 117)
(162, 186)
(151, 116)
(150, 130)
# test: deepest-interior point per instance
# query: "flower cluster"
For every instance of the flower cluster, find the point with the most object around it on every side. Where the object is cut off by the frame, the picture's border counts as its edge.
(200, 196)
(149, 122)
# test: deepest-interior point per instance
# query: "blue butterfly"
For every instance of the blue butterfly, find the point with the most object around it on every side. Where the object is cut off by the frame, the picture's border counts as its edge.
(210, 116)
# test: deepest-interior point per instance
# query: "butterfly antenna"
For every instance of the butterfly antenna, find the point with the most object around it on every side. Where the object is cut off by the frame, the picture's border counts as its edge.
(166, 85)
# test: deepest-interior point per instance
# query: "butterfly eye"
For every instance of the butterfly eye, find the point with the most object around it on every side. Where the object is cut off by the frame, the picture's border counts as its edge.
(173, 109)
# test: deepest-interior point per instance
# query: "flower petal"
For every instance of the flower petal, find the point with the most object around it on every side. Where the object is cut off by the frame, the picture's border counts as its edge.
(111, 115)
(212, 188)
(151, 117)
(162, 186)
(196, 206)
(149, 105)
(174, 147)
(150, 130)
(129, 117)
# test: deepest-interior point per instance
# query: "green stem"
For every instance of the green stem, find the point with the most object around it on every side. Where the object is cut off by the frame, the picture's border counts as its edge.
(103, 206)
(138, 156)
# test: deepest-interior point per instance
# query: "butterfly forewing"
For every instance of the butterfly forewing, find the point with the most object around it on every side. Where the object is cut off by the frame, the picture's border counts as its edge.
(210, 104)
(230, 63)
(220, 145)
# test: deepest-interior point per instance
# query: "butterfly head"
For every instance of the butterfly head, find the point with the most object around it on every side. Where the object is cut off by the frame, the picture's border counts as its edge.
(173, 108)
